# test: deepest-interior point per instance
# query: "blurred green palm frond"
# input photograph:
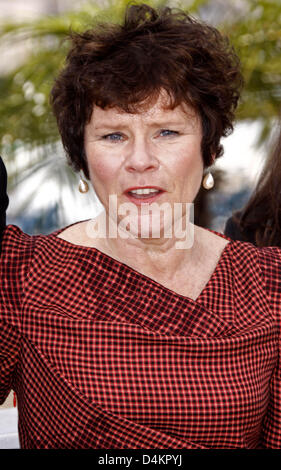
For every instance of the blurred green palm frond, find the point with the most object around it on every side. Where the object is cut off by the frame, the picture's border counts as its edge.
(257, 40)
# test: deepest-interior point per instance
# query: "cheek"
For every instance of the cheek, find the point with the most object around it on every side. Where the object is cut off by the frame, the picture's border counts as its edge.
(101, 170)
(189, 165)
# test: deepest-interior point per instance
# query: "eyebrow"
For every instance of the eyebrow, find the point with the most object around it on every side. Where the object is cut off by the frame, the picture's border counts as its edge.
(162, 124)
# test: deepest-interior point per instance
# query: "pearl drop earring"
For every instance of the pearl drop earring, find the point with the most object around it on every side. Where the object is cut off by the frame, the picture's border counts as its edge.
(208, 181)
(83, 185)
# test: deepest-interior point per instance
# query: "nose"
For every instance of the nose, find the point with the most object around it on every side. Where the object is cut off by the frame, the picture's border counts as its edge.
(141, 158)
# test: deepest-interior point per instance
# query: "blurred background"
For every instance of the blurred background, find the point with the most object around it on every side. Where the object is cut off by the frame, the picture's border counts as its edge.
(43, 189)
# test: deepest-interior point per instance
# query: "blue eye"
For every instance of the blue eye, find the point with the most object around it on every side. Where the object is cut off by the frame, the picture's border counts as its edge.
(115, 137)
(168, 132)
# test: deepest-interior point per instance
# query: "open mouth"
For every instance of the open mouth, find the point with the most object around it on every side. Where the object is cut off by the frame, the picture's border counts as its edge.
(144, 193)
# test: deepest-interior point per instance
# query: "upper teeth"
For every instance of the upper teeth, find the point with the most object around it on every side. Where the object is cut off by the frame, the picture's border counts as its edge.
(144, 191)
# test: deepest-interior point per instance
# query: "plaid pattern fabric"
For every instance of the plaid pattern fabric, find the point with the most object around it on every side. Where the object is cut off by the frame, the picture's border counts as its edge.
(101, 356)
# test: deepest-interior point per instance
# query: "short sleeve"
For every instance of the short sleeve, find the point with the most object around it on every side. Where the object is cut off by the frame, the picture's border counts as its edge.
(270, 263)
(15, 259)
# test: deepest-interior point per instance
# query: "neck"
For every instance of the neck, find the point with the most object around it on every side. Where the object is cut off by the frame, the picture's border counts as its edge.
(158, 256)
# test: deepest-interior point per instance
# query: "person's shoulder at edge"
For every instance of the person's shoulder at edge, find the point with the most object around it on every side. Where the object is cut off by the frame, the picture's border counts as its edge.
(4, 200)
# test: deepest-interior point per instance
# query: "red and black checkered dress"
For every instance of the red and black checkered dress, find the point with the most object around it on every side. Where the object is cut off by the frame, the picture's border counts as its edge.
(101, 356)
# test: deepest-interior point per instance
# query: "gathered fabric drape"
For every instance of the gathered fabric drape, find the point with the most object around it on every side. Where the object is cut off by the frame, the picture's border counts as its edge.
(103, 357)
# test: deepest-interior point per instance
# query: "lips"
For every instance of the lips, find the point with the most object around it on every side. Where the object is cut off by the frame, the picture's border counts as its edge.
(143, 194)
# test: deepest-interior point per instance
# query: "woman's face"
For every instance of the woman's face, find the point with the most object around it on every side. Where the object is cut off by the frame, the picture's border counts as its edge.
(159, 150)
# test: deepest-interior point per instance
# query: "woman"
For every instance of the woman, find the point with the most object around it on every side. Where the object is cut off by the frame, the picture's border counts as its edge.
(114, 334)
(259, 222)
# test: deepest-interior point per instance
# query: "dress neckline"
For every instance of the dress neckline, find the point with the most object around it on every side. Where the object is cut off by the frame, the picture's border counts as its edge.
(119, 264)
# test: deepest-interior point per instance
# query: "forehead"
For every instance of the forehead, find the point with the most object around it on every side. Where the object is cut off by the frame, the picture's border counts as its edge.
(159, 110)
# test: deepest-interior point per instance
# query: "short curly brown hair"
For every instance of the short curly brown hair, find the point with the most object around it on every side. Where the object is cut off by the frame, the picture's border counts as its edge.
(126, 65)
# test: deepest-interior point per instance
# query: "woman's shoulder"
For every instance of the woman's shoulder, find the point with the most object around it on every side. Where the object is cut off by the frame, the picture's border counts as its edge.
(16, 241)
(266, 259)
(270, 265)
(263, 265)
(22, 252)
(15, 261)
